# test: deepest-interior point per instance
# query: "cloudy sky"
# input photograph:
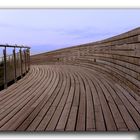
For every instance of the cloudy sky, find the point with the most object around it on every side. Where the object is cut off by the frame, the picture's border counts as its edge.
(50, 29)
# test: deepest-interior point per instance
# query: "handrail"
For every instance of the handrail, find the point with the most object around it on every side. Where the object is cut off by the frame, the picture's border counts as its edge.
(14, 46)
(24, 57)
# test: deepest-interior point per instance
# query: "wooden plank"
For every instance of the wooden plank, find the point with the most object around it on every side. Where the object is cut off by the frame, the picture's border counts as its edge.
(47, 105)
(59, 109)
(113, 107)
(36, 111)
(64, 116)
(81, 118)
(44, 122)
(9, 91)
(99, 118)
(90, 111)
(69, 98)
(123, 109)
(22, 107)
(71, 122)
(16, 96)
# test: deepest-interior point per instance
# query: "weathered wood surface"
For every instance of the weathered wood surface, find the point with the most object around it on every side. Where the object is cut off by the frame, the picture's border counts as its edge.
(90, 87)
(117, 57)
(68, 98)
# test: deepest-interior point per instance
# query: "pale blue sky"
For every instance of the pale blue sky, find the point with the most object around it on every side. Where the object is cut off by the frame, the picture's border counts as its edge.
(50, 29)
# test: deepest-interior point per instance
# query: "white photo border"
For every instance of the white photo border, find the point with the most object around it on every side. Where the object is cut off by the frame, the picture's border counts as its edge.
(25, 4)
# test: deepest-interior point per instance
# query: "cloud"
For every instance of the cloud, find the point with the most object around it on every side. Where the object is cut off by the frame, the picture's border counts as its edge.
(23, 27)
(86, 33)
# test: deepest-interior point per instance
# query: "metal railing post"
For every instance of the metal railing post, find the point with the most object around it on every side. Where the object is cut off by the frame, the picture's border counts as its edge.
(15, 71)
(9, 62)
(5, 67)
(25, 61)
(29, 60)
(21, 61)
(28, 56)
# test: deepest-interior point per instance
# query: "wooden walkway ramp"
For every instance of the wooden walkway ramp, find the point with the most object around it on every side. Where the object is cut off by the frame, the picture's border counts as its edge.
(68, 98)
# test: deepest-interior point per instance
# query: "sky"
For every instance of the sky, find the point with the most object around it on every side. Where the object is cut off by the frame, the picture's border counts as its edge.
(50, 29)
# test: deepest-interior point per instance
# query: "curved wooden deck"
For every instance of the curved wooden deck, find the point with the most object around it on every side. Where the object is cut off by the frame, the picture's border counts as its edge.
(90, 87)
(68, 98)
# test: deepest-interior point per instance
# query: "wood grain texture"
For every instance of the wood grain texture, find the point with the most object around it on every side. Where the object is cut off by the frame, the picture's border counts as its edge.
(90, 87)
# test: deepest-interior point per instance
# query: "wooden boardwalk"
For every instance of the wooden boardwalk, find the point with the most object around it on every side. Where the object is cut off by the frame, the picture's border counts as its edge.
(68, 98)
(89, 87)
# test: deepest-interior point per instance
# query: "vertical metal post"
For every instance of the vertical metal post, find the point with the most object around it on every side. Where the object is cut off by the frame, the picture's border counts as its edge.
(21, 61)
(29, 60)
(28, 56)
(25, 61)
(5, 68)
(15, 71)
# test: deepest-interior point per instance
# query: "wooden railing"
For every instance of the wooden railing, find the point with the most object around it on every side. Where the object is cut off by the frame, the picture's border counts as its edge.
(15, 65)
